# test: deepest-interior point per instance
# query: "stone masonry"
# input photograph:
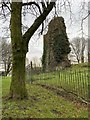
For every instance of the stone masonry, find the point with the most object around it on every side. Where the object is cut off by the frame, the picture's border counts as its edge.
(56, 26)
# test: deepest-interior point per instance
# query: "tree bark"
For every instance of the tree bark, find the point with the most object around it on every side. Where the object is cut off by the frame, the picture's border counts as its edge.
(78, 61)
(20, 47)
(17, 88)
(5, 68)
(82, 58)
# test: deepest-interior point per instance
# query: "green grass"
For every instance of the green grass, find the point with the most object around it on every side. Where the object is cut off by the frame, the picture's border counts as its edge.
(73, 79)
(0, 97)
(5, 85)
(42, 103)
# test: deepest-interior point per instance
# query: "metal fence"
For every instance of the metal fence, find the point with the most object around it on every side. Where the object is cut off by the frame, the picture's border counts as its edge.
(73, 81)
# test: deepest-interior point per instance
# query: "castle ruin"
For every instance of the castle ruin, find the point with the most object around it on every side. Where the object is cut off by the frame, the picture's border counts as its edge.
(56, 27)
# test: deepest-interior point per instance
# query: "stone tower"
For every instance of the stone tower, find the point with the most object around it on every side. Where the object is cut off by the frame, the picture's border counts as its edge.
(56, 27)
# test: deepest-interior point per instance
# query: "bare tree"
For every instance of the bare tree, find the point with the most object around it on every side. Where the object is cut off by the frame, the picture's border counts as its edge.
(6, 56)
(78, 48)
(20, 40)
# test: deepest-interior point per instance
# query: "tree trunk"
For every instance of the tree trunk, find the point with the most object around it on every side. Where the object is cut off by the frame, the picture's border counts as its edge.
(20, 46)
(78, 60)
(17, 88)
(82, 55)
(82, 59)
(5, 67)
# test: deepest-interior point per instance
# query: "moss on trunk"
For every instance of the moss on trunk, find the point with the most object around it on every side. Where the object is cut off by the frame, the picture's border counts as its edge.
(17, 88)
(20, 47)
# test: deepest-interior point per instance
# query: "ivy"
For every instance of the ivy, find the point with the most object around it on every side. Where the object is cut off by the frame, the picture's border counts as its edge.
(44, 57)
(61, 47)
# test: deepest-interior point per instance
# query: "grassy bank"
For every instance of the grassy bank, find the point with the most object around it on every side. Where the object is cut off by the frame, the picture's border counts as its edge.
(73, 79)
(42, 103)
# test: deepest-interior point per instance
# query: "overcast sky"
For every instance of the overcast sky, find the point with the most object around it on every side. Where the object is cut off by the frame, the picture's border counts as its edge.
(72, 28)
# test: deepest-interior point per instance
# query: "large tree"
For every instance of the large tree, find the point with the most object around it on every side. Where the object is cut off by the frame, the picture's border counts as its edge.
(20, 42)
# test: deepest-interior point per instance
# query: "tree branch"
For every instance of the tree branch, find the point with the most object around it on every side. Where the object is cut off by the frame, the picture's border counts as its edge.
(5, 5)
(37, 5)
(32, 3)
(86, 16)
(37, 23)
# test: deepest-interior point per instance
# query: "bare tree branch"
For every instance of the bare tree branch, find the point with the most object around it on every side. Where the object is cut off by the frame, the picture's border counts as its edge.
(5, 5)
(32, 3)
(38, 21)
(37, 5)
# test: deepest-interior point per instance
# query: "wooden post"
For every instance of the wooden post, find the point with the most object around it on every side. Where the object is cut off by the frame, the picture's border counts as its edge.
(31, 71)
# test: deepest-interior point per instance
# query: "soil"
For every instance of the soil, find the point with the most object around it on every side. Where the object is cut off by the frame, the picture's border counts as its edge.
(67, 95)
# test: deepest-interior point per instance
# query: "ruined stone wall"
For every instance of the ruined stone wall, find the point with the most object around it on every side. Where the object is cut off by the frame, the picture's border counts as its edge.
(56, 27)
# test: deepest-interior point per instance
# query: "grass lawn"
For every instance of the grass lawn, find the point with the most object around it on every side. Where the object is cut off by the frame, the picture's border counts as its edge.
(73, 79)
(42, 103)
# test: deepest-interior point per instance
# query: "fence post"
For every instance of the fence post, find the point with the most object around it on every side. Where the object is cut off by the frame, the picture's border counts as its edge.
(31, 72)
(59, 78)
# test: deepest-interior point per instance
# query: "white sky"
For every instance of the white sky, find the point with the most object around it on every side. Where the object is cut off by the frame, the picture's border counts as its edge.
(73, 30)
